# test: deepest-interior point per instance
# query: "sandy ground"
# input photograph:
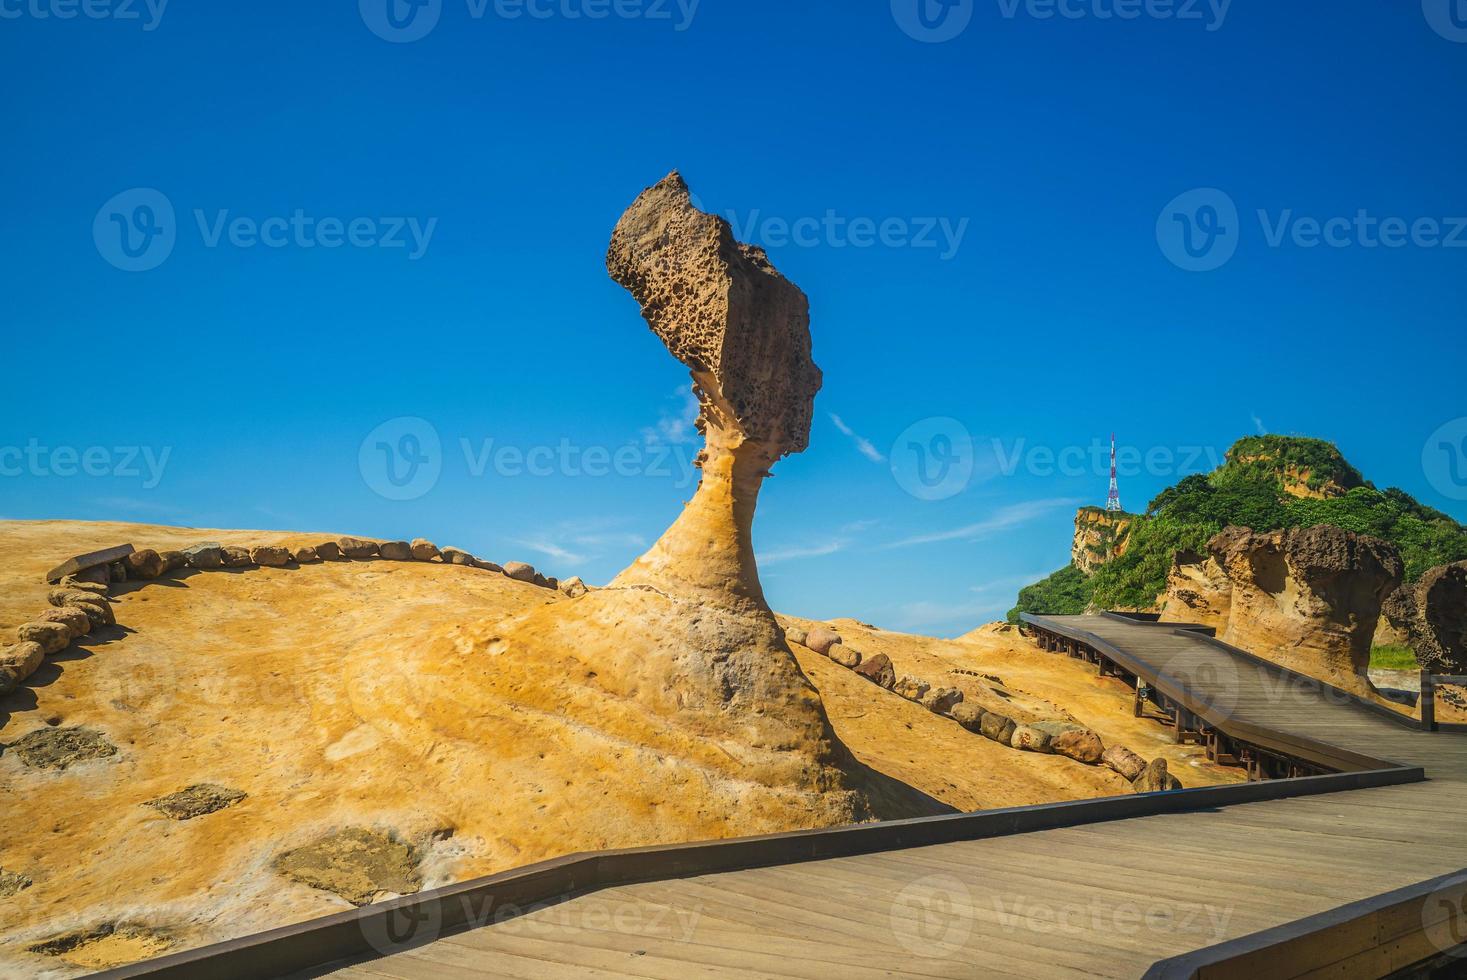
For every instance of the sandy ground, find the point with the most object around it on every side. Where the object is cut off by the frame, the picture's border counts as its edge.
(335, 697)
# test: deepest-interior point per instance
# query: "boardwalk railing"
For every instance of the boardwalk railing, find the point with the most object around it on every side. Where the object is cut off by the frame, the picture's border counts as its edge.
(1429, 684)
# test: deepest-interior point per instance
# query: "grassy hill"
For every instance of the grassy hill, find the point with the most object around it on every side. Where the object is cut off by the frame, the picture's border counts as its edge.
(1267, 483)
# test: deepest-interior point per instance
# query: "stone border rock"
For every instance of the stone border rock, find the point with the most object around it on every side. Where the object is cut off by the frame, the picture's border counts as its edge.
(81, 603)
(1061, 738)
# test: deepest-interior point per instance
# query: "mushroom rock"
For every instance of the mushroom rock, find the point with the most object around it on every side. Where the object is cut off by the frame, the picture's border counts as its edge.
(743, 330)
(680, 655)
(1439, 629)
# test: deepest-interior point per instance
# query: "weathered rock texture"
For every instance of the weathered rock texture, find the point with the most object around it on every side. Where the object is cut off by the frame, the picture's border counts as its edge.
(743, 330)
(1308, 599)
(1396, 616)
(683, 639)
(1099, 537)
(1439, 629)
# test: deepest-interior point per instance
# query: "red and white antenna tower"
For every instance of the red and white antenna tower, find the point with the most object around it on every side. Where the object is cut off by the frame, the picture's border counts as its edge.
(1113, 501)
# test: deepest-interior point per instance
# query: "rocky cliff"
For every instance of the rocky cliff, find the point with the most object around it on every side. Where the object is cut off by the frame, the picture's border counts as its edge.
(1308, 599)
(1100, 536)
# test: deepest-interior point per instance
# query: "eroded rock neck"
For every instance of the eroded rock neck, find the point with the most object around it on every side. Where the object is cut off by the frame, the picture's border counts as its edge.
(708, 553)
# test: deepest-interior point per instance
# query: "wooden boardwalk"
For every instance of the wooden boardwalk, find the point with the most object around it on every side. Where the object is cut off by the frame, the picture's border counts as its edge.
(1105, 899)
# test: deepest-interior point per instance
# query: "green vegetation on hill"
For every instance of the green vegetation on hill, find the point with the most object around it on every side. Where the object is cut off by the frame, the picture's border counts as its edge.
(1065, 593)
(1249, 491)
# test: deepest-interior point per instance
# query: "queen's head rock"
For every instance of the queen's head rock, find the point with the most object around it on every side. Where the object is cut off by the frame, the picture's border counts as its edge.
(743, 331)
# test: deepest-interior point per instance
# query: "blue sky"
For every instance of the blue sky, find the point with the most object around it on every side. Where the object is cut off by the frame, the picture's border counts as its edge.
(989, 227)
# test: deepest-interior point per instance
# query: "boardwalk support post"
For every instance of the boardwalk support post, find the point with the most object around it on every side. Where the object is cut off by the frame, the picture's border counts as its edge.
(1428, 701)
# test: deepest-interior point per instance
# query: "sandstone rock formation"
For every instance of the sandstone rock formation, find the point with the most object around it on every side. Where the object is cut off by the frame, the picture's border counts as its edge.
(743, 331)
(1308, 599)
(1396, 616)
(1439, 629)
(424, 550)
(683, 639)
(1100, 536)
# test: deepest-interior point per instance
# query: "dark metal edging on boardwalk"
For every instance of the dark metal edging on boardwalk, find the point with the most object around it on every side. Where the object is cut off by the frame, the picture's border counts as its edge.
(1374, 937)
(370, 930)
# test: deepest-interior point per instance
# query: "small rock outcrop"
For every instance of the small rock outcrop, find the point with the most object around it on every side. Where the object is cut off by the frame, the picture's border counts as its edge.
(60, 748)
(1439, 629)
(425, 550)
(941, 700)
(195, 801)
(1309, 599)
(1155, 778)
(912, 688)
(357, 864)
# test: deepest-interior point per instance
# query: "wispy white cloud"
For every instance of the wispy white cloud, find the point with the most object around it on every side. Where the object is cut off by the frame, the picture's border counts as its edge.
(863, 445)
(675, 426)
(809, 551)
(553, 550)
(1258, 424)
(577, 542)
(847, 535)
(1003, 519)
(135, 505)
